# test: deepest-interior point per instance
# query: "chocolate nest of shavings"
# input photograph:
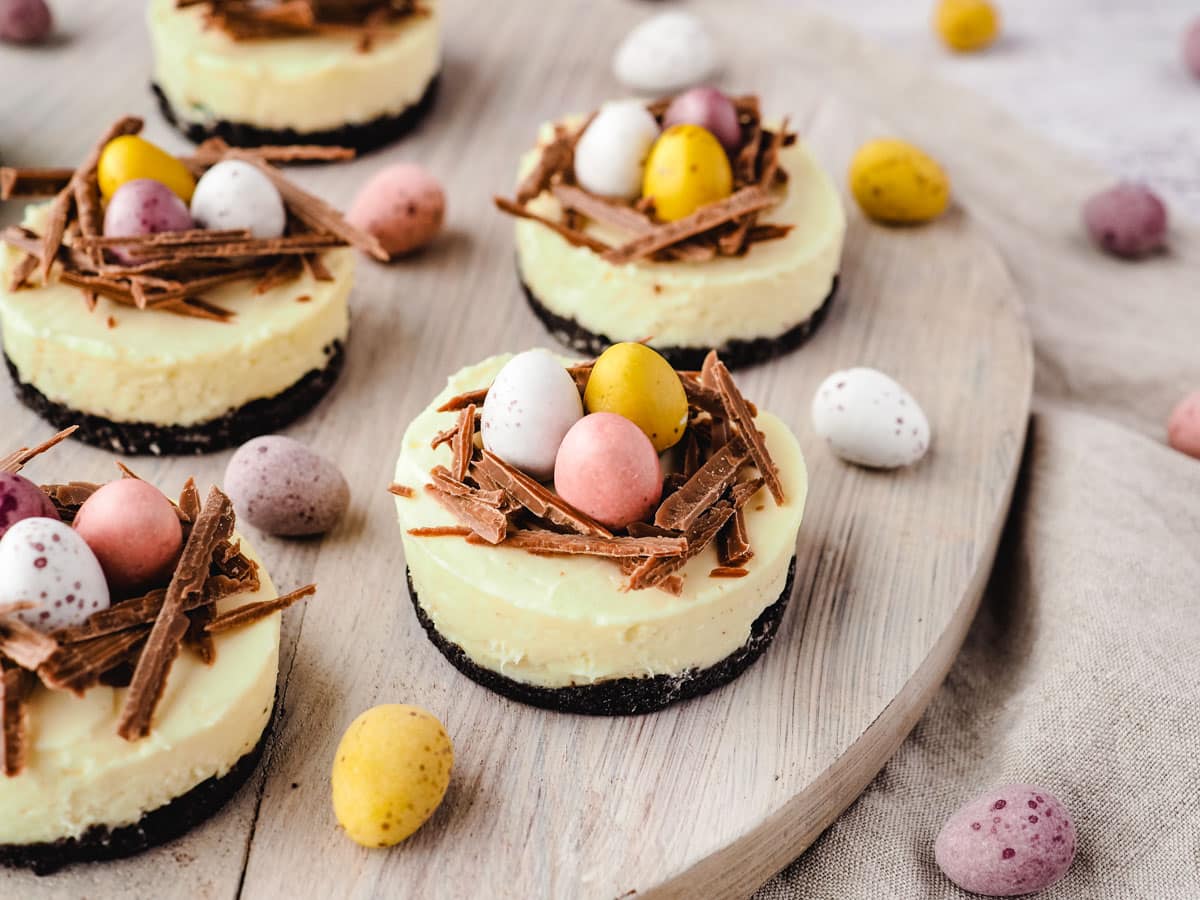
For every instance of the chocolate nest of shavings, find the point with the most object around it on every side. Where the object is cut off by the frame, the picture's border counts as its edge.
(248, 20)
(727, 227)
(719, 464)
(135, 641)
(172, 271)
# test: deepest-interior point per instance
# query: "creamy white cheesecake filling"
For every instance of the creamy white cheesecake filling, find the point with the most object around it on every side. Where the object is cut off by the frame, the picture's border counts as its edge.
(559, 621)
(304, 83)
(774, 287)
(131, 365)
(80, 773)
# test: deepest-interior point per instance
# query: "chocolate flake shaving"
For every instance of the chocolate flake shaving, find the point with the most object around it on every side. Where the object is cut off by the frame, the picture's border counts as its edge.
(77, 667)
(246, 20)
(739, 414)
(539, 541)
(462, 445)
(14, 691)
(653, 571)
(441, 531)
(485, 521)
(459, 401)
(400, 490)
(686, 505)
(536, 498)
(25, 646)
(15, 461)
(728, 572)
(250, 613)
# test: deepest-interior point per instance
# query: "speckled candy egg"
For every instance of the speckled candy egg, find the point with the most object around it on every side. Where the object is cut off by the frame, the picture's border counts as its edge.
(869, 419)
(1128, 220)
(896, 183)
(530, 407)
(279, 485)
(21, 499)
(966, 25)
(611, 153)
(711, 110)
(634, 381)
(1014, 840)
(608, 468)
(45, 562)
(134, 531)
(235, 194)
(390, 773)
(1191, 48)
(402, 205)
(143, 206)
(687, 169)
(25, 21)
(130, 157)
(667, 52)
(1183, 427)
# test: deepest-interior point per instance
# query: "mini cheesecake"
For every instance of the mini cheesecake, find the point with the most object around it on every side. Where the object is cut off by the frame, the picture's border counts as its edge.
(556, 611)
(355, 73)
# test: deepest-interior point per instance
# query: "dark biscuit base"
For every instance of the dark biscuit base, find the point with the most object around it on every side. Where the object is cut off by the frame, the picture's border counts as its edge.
(363, 138)
(237, 426)
(620, 696)
(736, 354)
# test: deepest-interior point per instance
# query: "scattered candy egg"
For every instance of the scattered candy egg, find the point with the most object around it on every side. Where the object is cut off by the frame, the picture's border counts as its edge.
(1191, 48)
(1014, 840)
(21, 499)
(611, 153)
(634, 381)
(45, 562)
(895, 182)
(687, 168)
(1128, 220)
(280, 486)
(235, 194)
(143, 206)
(25, 21)
(402, 205)
(869, 419)
(710, 109)
(1183, 429)
(607, 468)
(530, 407)
(966, 25)
(667, 52)
(390, 773)
(129, 156)
(133, 530)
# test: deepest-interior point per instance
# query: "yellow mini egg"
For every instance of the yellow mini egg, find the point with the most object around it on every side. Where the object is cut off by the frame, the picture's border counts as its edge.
(686, 169)
(633, 381)
(966, 25)
(391, 771)
(129, 156)
(894, 182)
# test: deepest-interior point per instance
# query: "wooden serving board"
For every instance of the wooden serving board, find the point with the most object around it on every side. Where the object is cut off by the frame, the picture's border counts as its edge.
(708, 798)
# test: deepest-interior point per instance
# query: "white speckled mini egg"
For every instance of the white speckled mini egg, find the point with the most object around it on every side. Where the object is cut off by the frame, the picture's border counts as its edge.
(667, 52)
(611, 154)
(529, 409)
(235, 194)
(869, 419)
(45, 562)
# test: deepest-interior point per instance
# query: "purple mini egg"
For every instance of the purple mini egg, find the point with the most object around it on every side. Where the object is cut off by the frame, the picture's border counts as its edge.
(1128, 220)
(279, 485)
(21, 499)
(25, 21)
(143, 206)
(710, 109)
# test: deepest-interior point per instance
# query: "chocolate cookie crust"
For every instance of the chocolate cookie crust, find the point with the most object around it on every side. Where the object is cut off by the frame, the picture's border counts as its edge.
(237, 426)
(619, 696)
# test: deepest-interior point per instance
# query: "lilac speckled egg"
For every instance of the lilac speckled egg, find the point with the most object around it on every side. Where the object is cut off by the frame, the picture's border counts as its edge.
(607, 468)
(143, 206)
(279, 485)
(134, 531)
(1128, 220)
(1183, 427)
(45, 562)
(708, 108)
(21, 499)
(402, 205)
(25, 21)
(1191, 48)
(1016, 839)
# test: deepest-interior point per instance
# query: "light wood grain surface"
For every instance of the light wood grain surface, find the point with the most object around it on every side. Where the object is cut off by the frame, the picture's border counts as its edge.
(706, 799)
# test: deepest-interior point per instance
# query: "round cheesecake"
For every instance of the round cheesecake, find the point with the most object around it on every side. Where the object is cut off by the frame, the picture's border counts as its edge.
(324, 88)
(566, 632)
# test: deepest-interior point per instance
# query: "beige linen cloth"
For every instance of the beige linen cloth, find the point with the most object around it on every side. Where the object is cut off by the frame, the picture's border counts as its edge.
(1082, 670)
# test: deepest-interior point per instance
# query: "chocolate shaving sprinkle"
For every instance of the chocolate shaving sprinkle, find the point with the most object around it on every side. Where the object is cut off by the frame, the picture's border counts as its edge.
(728, 572)
(653, 571)
(400, 490)
(685, 506)
(485, 521)
(462, 445)
(77, 667)
(454, 404)
(14, 690)
(25, 646)
(553, 542)
(251, 613)
(441, 531)
(14, 462)
(536, 498)
(739, 414)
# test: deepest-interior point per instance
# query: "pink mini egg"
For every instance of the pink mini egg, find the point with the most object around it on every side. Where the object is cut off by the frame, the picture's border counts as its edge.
(402, 205)
(25, 21)
(1191, 48)
(133, 530)
(21, 499)
(1183, 428)
(1128, 220)
(143, 206)
(708, 108)
(607, 468)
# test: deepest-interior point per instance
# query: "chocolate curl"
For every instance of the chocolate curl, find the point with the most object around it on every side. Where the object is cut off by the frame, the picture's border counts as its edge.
(14, 462)
(251, 613)
(570, 235)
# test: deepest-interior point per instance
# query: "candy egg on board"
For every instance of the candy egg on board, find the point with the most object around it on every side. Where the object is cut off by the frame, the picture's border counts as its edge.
(869, 419)
(235, 194)
(607, 468)
(966, 25)
(1128, 220)
(687, 168)
(1014, 840)
(45, 562)
(530, 407)
(610, 155)
(279, 485)
(710, 109)
(129, 156)
(667, 52)
(402, 205)
(896, 183)
(21, 499)
(1183, 428)
(143, 206)
(133, 530)
(25, 21)
(1191, 48)
(634, 381)
(390, 773)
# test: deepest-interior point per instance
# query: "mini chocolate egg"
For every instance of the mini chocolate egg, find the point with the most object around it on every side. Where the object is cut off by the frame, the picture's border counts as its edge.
(21, 499)
(235, 194)
(134, 531)
(143, 206)
(45, 562)
(611, 153)
(869, 419)
(530, 407)
(129, 156)
(25, 21)
(634, 381)
(896, 183)
(687, 169)
(1183, 428)
(1128, 220)
(966, 25)
(1191, 48)
(279, 485)
(607, 468)
(710, 109)
(667, 52)
(1016, 839)
(402, 205)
